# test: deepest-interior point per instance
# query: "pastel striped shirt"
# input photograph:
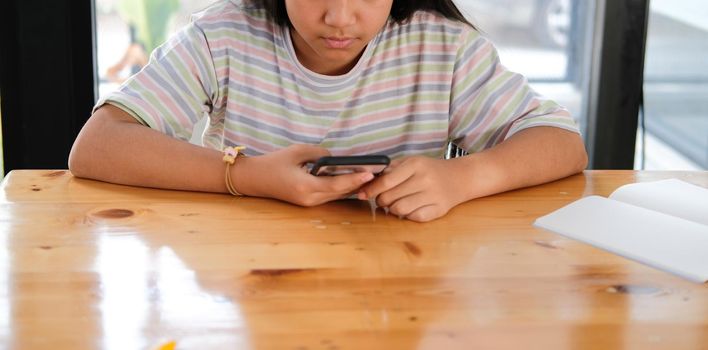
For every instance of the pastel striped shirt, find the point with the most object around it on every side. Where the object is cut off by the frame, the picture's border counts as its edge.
(417, 86)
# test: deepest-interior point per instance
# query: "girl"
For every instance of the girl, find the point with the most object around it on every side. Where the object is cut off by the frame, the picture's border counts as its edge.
(295, 80)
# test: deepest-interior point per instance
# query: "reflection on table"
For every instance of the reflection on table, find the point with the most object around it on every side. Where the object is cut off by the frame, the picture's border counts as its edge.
(90, 265)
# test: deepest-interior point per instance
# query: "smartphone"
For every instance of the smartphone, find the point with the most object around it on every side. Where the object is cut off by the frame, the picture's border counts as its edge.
(330, 166)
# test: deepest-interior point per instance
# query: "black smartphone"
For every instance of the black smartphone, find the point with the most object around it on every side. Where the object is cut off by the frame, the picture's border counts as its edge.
(330, 166)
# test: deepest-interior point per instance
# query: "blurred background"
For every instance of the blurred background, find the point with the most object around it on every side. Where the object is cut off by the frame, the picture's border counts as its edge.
(545, 40)
(555, 43)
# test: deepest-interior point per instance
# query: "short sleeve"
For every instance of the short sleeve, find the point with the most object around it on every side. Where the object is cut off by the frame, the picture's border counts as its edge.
(174, 90)
(489, 103)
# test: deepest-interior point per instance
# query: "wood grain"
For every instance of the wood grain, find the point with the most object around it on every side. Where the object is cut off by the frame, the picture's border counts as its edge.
(90, 265)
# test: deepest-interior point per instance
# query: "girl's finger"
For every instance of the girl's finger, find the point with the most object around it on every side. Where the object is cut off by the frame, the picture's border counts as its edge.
(405, 189)
(404, 206)
(426, 213)
(386, 182)
(342, 184)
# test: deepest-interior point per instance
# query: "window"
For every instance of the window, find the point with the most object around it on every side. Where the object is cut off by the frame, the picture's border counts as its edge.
(128, 31)
(548, 41)
(675, 88)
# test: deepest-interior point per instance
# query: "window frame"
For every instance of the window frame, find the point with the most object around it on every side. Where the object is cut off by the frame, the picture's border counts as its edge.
(617, 85)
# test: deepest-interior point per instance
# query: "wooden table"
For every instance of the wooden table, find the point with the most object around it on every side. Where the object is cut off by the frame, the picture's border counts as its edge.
(89, 265)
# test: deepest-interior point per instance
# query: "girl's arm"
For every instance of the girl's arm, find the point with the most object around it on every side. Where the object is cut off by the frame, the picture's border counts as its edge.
(423, 189)
(114, 147)
(532, 156)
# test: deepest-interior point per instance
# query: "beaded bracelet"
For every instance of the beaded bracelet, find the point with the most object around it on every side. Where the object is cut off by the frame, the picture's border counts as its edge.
(230, 155)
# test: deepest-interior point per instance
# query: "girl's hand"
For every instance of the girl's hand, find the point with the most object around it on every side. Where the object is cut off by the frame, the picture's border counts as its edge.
(282, 175)
(417, 188)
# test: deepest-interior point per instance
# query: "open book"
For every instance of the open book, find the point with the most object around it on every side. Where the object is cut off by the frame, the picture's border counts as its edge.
(663, 224)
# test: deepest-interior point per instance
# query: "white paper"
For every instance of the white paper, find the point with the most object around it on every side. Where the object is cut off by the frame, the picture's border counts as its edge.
(673, 197)
(669, 243)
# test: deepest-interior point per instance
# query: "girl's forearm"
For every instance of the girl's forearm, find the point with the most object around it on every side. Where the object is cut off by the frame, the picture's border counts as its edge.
(113, 147)
(530, 157)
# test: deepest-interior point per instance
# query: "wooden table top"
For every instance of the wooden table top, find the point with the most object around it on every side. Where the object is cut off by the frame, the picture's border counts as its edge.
(90, 265)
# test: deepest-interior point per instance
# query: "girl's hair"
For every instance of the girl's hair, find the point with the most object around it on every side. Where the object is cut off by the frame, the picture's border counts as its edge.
(401, 11)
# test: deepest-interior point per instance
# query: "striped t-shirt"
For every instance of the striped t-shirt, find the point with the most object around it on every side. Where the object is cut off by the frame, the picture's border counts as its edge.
(418, 86)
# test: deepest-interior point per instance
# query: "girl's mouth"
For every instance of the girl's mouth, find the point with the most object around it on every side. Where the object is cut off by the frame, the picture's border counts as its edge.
(338, 43)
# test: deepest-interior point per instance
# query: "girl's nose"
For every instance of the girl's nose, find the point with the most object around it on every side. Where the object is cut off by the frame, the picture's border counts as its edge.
(340, 14)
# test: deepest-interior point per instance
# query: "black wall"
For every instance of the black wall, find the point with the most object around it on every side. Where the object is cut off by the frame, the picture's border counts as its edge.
(46, 79)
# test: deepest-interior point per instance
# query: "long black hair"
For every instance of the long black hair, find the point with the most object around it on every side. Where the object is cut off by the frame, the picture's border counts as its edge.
(401, 11)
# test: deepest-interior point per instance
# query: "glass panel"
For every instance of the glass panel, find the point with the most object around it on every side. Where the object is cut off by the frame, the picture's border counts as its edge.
(2, 155)
(549, 41)
(128, 30)
(676, 87)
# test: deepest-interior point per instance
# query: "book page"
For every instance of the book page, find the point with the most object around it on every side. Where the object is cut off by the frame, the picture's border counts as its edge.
(673, 197)
(665, 242)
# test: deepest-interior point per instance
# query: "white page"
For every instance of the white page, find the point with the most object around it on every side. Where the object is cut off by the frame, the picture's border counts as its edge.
(668, 243)
(673, 197)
